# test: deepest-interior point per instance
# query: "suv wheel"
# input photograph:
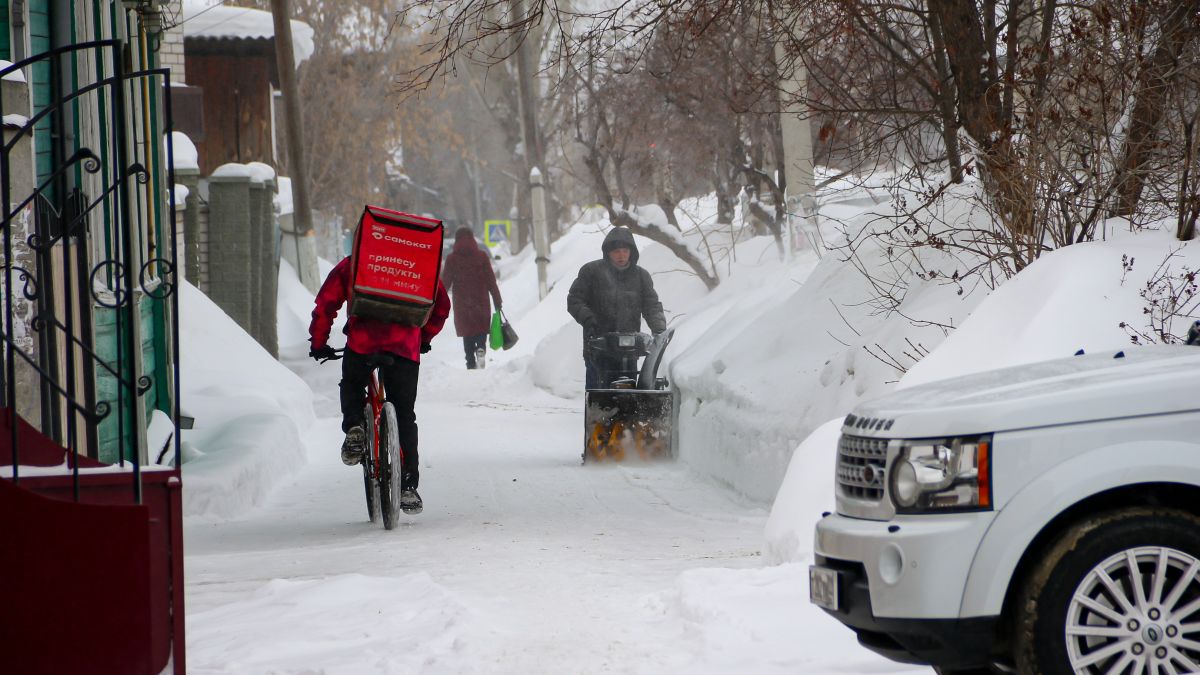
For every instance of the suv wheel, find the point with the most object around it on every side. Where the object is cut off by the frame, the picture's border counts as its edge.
(1118, 593)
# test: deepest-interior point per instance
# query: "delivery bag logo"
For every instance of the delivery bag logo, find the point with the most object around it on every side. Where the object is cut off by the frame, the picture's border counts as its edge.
(378, 233)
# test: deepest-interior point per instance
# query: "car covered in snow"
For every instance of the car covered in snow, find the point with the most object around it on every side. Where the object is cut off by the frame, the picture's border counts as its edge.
(1043, 518)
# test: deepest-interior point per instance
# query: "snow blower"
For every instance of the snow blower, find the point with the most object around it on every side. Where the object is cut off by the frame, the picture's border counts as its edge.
(630, 414)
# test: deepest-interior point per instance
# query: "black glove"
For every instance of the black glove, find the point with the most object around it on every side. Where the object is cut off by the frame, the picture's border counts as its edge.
(425, 347)
(322, 353)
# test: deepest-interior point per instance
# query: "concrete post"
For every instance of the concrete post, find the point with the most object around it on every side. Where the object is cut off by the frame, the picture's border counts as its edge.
(258, 192)
(229, 242)
(541, 239)
(21, 184)
(189, 257)
(268, 265)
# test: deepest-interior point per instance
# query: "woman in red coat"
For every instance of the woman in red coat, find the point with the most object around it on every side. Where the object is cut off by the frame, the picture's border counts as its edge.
(468, 275)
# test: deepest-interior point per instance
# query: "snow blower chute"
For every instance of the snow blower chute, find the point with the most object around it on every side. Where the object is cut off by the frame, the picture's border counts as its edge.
(630, 414)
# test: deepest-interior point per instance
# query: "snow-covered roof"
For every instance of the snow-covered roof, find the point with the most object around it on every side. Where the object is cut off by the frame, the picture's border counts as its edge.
(209, 19)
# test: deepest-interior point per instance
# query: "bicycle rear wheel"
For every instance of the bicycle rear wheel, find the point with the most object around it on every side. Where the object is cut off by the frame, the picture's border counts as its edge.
(369, 485)
(391, 466)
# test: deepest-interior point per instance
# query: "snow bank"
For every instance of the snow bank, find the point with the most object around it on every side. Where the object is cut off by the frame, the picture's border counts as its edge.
(356, 623)
(1070, 299)
(760, 621)
(295, 304)
(780, 348)
(806, 493)
(249, 411)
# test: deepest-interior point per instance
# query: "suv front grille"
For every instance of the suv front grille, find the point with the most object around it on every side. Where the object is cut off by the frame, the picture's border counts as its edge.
(861, 467)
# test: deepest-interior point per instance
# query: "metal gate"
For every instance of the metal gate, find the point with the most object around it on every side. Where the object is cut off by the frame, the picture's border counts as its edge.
(89, 240)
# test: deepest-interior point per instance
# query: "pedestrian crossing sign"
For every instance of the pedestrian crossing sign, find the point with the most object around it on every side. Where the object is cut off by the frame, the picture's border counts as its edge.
(496, 231)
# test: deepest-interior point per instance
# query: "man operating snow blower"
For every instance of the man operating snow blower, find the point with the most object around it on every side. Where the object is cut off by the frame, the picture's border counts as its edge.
(627, 408)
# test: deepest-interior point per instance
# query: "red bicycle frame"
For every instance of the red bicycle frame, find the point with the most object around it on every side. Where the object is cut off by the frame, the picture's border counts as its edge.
(376, 397)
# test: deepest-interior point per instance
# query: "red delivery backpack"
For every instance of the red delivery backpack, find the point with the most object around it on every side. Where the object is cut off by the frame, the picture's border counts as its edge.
(396, 261)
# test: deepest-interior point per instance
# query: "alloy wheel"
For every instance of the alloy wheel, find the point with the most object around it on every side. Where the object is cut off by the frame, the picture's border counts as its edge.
(1135, 613)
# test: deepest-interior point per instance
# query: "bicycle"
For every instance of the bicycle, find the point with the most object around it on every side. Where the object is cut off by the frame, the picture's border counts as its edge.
(382, 462)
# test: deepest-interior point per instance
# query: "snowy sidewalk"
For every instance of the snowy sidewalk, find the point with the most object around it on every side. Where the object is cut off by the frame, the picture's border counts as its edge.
(523, 561)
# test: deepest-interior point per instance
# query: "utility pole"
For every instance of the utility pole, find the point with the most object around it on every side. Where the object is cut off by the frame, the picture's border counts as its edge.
(304, 240)
(541, 238)
(534, 153)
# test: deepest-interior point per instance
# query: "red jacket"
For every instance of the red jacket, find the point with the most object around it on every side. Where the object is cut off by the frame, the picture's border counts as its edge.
(468, 276)
(367, 336)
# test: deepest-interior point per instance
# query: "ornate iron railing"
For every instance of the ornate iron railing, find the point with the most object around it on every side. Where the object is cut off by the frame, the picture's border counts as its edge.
(95, 234)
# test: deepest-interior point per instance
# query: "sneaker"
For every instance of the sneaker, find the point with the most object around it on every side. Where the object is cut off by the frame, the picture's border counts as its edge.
(480, 358)
(410, 502)
(352, 447)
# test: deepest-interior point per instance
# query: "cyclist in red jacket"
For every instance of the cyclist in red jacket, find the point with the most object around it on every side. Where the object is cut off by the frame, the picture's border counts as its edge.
(365, 337)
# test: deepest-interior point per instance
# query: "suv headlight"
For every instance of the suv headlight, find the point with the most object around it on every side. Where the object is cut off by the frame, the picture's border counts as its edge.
(943, 474)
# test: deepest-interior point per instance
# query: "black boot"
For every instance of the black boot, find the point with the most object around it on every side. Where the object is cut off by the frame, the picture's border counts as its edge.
(352, 447)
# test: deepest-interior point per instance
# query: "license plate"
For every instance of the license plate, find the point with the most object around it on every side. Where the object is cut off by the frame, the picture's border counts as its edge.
(823, 587)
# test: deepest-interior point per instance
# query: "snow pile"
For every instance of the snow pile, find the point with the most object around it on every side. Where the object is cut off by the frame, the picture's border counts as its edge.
(250, 412)
(1070, 299)
(760, 621)
(232, 170)
(12, 76)
(356, 623)
(295, 304)
(261, 172)
(779, 348)
(283, 196)
(179, 195)
(806, 493)
(183, 152)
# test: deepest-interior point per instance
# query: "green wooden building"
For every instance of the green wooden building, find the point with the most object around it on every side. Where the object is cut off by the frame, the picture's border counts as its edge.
(85, 286)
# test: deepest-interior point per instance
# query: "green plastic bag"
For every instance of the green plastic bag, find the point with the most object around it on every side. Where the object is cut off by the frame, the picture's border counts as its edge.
(496, 334)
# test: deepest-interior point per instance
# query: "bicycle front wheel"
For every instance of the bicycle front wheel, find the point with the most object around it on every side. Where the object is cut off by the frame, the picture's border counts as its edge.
(391, 465)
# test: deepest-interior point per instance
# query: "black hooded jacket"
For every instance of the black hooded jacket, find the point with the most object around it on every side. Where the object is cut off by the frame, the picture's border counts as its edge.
(604, 299)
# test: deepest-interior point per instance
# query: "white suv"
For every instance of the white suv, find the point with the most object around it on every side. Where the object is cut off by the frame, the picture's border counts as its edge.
(1037, 519)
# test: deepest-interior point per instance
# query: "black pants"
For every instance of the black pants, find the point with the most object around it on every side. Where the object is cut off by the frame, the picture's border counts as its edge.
(472, 343)
(598, 372)
(400, 386)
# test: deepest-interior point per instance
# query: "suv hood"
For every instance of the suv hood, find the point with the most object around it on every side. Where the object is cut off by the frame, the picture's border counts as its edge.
(1140, 381)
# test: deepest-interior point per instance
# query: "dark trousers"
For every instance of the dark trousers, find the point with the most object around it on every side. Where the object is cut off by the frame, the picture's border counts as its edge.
(400, 387)
(597, 373)
(470, 344)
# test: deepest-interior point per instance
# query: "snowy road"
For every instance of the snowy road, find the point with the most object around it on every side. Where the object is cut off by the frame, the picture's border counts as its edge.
(523, 561)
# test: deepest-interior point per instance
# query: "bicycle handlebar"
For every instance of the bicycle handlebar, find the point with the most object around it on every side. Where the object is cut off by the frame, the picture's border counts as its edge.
(373, 360)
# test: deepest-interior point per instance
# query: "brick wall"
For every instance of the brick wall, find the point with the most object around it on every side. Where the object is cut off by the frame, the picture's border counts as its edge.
(170, 51)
